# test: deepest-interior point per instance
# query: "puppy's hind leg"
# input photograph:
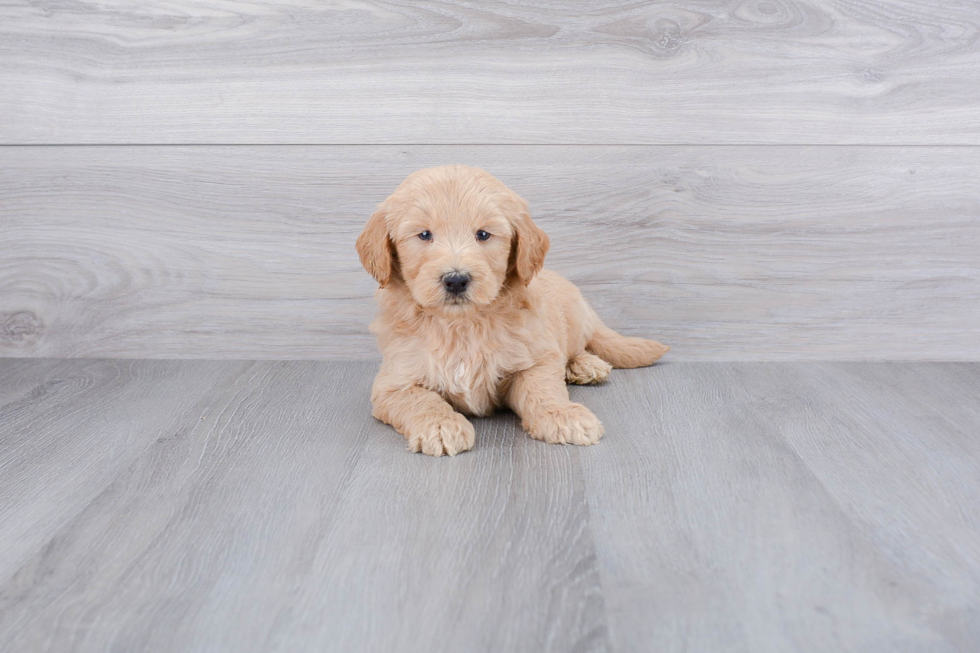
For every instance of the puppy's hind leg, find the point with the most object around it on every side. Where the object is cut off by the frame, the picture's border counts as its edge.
(586, 369)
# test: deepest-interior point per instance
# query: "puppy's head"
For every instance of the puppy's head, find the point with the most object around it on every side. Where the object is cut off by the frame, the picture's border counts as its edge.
(456, 236)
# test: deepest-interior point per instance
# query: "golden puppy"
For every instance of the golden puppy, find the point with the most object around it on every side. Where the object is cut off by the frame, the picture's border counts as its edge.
(469, 321)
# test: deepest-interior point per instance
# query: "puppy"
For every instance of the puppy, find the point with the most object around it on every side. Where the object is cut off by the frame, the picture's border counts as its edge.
(468, 321)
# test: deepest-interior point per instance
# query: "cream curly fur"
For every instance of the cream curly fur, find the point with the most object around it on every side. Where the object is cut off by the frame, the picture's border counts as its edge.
(515, 336)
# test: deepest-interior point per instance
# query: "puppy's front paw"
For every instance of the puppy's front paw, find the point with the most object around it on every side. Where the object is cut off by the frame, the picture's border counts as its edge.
(566, 424)
(440, 435)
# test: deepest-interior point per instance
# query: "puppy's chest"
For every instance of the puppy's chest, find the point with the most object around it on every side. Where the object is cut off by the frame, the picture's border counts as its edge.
(472, 376)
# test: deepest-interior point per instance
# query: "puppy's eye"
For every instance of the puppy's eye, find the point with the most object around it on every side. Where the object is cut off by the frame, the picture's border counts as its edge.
(482, 235)
(426, 235)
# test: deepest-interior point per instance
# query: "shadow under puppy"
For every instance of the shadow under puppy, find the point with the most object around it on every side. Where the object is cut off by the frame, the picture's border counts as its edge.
(468, 321)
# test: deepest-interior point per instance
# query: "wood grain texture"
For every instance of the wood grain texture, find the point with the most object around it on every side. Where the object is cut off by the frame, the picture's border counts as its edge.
(725, 253)
(490, 553)
(787, 507)
(276, 521)
(743, 507)
(68, 429)
(302, 71)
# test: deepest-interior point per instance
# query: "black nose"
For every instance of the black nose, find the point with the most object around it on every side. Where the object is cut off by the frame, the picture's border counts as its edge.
(456, 282)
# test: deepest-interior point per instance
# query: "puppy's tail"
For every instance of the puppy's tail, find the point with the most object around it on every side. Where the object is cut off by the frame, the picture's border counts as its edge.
(623, 351)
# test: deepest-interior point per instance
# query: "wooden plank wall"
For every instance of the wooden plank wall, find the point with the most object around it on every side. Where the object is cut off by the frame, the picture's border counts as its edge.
(770, 179)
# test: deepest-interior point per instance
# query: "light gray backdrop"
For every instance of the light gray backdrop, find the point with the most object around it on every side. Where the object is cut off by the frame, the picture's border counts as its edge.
(766, 179)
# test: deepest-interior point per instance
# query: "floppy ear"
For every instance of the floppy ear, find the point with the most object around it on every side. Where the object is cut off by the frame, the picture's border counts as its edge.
(375, 249)
(531, 244)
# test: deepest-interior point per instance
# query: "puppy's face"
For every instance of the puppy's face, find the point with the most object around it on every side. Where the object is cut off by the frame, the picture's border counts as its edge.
(456, 236)
(453, 248)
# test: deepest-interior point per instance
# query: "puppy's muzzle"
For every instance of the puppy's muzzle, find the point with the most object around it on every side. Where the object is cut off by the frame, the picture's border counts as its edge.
(456, 282)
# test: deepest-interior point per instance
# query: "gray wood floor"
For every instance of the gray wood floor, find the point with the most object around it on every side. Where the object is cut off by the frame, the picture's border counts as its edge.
(256, 506)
